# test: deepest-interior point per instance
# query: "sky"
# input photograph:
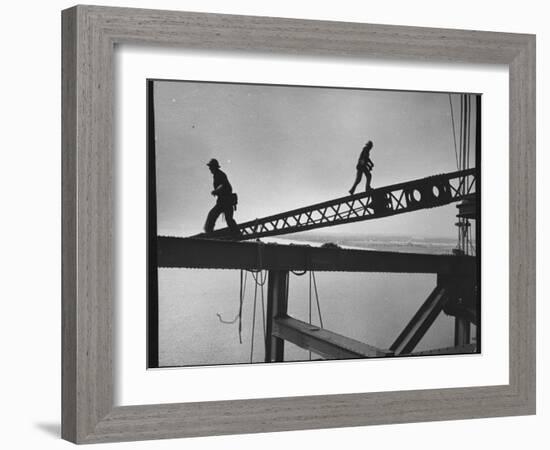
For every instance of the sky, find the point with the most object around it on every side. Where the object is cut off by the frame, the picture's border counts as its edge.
(284, 147)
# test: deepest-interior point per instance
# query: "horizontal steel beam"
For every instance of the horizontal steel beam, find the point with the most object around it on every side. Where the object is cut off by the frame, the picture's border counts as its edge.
(196, 253)
(456, 350)
(323, 342)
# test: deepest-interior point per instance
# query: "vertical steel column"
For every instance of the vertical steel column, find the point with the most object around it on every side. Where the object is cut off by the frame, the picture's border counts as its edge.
(478, 221)
(277, 304)
(152, 267)
(462, 331)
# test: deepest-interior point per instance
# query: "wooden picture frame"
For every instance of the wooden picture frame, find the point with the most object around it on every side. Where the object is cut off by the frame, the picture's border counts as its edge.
(89, 36)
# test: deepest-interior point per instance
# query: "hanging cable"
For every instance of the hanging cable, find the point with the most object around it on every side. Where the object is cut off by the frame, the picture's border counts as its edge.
(309, 308)
(468, 123)
(466, 135)
(463, 132)
(467, 245)
(469, 128)
(461, 136)
(472, 247)
(453, 129)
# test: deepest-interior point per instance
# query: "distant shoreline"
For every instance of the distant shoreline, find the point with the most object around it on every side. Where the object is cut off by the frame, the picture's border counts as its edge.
(403, 244)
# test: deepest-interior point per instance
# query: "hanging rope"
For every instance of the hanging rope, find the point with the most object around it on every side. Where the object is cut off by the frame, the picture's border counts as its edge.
(317, 299)
(263, 304)
(299, 274)
(239, 315)
(260, 278)
(259, 281)
(313, 281)
(253, 320)
(241, 301)
(259, 257)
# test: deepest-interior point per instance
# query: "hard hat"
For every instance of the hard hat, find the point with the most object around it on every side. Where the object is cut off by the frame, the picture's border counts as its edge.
(213, 163)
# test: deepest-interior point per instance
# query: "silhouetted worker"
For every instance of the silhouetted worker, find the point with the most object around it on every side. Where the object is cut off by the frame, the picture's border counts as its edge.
(226, 200)
(364, 166)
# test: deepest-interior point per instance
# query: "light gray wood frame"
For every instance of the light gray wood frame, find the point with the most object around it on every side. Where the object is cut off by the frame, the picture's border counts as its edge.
(89, 36)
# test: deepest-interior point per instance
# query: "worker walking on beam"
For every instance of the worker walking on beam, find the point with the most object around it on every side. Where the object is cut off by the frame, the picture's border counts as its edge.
(364, 166)
(226, 201)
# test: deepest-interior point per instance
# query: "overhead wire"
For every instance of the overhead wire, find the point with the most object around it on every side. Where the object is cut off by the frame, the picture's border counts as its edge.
(468, 145)
(461, 131)
(453, 129)
(464, 233)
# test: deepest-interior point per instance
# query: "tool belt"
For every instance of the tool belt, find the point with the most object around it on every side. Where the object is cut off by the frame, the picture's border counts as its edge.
(228, 200)
(366, 165)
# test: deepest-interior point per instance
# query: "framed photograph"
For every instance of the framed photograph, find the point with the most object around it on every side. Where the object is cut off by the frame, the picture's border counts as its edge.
(305, 210)
(305, 235)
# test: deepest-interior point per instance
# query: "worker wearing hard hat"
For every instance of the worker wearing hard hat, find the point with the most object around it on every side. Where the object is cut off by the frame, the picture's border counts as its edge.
(226, 200)
(364, 166)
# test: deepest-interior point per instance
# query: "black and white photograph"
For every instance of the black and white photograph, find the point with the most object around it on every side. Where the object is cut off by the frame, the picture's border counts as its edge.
(304, 223)
(282, 224)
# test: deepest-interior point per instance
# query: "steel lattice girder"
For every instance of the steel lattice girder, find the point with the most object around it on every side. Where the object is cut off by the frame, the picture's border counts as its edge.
(430, 192)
